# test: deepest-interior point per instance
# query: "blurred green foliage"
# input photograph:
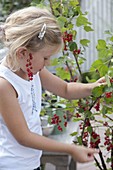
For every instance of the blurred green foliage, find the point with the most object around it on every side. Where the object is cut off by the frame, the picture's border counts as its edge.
(8, 6)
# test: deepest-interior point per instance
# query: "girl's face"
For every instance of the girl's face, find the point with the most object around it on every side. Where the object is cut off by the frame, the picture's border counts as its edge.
(42, 58)
(39, 59)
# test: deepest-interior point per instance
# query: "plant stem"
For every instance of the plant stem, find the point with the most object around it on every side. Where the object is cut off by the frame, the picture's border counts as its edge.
(51, 6)
(61, 7)
(98, 164)
(109, 117)
(70, 71)
(110, 61)
(75, 56)
(102, 160)
(88, 118)
(94, 103)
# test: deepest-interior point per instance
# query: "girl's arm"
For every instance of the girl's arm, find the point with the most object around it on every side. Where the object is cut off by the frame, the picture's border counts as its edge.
(66, 90)
(15, 121)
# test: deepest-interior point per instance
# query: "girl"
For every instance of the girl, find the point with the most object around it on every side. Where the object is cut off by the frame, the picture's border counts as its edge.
(32, 35)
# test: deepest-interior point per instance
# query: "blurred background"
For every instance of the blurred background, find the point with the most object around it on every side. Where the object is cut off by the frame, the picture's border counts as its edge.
(99, 14)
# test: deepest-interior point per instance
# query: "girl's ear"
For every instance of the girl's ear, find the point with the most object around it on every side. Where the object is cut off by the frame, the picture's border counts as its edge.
(22, 52)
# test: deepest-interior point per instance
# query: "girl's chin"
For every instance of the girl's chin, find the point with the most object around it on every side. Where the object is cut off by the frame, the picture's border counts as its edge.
(37, 72)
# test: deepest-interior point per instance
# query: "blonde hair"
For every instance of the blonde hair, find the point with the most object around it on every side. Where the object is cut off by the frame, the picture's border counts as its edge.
(23, 27)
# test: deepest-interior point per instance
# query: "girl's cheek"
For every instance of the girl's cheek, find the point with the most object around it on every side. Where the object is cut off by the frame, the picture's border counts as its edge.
(47, 63)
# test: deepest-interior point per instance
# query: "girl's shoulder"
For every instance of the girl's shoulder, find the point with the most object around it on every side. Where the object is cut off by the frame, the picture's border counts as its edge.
(5, 86)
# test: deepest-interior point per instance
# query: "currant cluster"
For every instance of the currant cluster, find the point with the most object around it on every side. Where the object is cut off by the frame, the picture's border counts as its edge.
(85, 138)
(56, 120)
(87, 123)
(83, 105)
(105, 123)
(108, 94)
(29, 67)
(75, 79)
(81, 125)
(97, 106)
(67, 37)
(95, 140)
(77, 115)
(78, 51)
(111, 80)
(108, 142)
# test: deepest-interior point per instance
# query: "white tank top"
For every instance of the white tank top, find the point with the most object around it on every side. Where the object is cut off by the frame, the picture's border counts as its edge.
(14, 156)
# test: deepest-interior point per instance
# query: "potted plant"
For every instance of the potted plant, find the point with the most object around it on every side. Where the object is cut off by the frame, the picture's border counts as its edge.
(54, 111)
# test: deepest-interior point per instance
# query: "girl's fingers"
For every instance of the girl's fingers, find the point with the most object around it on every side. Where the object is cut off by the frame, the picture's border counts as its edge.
(90, 158)
(93, 151)
(90, 155)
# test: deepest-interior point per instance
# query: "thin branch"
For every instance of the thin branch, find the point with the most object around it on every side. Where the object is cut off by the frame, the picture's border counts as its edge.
(102, 160)
(109, 118)
(51, 6)
(75, 56)
(61, 7)
(88, 118)
(70, 71)
(98, 164)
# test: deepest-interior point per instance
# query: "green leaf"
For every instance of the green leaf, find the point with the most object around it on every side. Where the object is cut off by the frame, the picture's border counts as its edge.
(89, 129)
(54, 62)
(101, 44)
(84, 42)
(88, 28)
(108, 80)
(72, 46)
(104, 110)
(108, 132)
(108, 160)
(74, 133)
(100, 121)
(62, 73)
(88, 114)
(74, 3)
(108, 32)
(62, 20)
(81, 20)
(79, 140)
(100, 66)
(95, 65)
(102, 54)
(111, 39)
(103, 70)
(76, 119)
(97, 91)
(90, 80)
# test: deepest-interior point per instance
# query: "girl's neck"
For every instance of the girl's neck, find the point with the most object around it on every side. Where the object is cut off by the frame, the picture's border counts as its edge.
(20, 72)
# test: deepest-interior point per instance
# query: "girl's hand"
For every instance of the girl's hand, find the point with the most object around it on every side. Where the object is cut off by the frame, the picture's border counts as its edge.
(83, 154)
(101, 81)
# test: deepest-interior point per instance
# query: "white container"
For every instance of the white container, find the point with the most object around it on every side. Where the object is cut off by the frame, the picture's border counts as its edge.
(48, 129)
